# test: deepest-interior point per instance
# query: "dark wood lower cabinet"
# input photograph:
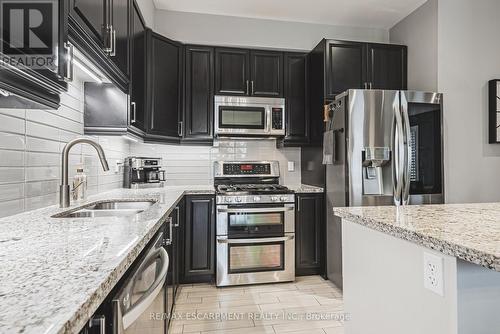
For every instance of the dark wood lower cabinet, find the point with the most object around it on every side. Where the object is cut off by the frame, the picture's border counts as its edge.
(309, 234)
(198, 259)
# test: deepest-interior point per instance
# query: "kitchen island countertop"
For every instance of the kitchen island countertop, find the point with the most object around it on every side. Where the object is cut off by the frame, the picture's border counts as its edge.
(55, 272)
(470, 232)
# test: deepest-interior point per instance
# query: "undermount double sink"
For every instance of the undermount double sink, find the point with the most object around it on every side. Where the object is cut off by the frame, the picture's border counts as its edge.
(108, 209)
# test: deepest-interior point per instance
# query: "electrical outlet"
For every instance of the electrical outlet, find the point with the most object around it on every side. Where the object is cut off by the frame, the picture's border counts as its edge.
(291, 166)
(433, 273)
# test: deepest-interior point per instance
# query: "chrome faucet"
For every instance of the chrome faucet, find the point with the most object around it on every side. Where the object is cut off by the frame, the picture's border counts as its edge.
(64, 188)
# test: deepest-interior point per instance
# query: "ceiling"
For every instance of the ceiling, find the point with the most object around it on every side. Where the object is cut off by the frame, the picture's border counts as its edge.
(357, 13)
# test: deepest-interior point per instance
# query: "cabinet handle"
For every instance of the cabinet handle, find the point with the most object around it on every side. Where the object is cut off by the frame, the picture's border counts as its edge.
(370, 85)
(178, 216)
(213, 206)
(252, 88)
(113, 43)
(180, 130)
(133, 120)
(248, 90)
(168, 241)
(108, 43)
(70, 55)
(298, 204)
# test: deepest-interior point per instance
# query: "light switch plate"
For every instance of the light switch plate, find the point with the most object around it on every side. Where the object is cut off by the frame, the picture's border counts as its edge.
(433, 273)
(291, 166)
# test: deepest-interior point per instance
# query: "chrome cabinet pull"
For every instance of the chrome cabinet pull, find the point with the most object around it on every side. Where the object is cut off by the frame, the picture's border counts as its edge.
(113, 43)
(70, 56)
(168, 241)
(252, 88)
(133, 120)
(180, 130)
(248, 90)
(178, 216)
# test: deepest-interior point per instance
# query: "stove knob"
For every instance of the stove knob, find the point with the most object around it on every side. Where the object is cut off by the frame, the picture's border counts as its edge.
(274, 198)
(283, 198)
(256, 198)
(238, 199)
(229, 199)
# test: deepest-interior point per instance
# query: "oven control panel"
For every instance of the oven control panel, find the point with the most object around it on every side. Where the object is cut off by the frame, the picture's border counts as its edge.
(277, 118)
(246, 169)
(258, 199)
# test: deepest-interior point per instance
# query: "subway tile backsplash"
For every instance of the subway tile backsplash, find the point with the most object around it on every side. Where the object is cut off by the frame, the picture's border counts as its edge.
(31, 142)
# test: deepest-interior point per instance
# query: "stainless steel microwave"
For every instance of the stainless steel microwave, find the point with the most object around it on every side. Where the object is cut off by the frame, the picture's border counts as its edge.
(249, 116)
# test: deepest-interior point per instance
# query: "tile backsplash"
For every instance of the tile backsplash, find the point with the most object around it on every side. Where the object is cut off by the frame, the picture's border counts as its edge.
(31, 142)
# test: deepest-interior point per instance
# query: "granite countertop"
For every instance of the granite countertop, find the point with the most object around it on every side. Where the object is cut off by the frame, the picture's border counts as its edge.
(470, 232)
(305, 188)
(55, 272)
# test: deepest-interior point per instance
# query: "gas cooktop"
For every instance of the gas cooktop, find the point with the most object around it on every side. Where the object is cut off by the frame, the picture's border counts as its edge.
(252, 189)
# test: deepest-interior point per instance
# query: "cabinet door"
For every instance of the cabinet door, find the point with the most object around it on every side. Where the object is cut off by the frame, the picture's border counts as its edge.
(199, 239)
(121, 19)
(296, 94)
(199, 92)
(165, 76)
(266, 73)
(232, 72)
(138, 71)
(387, 66)
(344, 67)
(91, 16)
(308, 232)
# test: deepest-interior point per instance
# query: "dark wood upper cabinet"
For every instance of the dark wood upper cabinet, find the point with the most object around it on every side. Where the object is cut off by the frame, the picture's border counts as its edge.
(387, 66)
(309, 234)
(232, 67)
(266, 73)
(199, 91)
(138, 87)
(92, 15)
(199, 239)
(165, 87)
(296, 94)
(344, 67)
(120, 23)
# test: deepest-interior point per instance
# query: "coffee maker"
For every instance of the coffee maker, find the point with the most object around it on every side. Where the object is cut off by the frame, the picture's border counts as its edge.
(142, 172)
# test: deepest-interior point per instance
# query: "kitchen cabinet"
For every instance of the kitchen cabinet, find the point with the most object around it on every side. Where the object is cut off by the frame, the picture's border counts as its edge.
(266, 73)
(138, 87)
(296, 97)
(309, 234)
(165, 79)
(344, 67)
(199, 92)
(100, 31)
(387, 66)
(232, 68)
(248, 72)
(199, 239)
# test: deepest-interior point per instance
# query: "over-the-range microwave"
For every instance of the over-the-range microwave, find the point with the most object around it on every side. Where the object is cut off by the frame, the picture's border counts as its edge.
(249, 116)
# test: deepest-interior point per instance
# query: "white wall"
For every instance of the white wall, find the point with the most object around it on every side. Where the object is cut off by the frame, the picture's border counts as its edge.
(148, 12)
(419, 32)
(468, 56)
(237, 31)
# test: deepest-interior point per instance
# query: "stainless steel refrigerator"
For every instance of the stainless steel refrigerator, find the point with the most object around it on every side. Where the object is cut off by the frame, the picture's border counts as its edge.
(382, 147)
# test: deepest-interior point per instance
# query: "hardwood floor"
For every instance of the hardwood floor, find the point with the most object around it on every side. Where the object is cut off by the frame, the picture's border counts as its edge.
(310, 305)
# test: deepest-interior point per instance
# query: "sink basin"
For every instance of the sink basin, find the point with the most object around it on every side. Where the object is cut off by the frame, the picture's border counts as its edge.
(108, 209)
(116, 205)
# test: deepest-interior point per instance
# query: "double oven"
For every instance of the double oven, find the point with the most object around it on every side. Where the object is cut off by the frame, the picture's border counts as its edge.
(255, 230)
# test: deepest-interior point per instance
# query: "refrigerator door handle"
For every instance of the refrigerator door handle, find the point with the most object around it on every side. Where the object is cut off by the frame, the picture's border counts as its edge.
(398, 159)
(407, 151)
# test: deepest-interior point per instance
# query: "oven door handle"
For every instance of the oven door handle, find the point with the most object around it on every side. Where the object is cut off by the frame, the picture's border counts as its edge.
(254, 240)
(256, 210)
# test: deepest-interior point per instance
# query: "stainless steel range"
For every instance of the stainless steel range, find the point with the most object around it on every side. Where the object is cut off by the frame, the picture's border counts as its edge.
(255, 224)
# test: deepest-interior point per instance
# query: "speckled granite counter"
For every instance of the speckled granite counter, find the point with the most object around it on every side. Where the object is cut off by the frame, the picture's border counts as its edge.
(470, 232)
(55, 272)
(305, 188)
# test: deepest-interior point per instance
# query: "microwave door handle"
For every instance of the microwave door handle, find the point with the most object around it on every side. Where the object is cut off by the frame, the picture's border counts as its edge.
(256, 210)
(150, 295)
(254, 240)
(407, 154)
